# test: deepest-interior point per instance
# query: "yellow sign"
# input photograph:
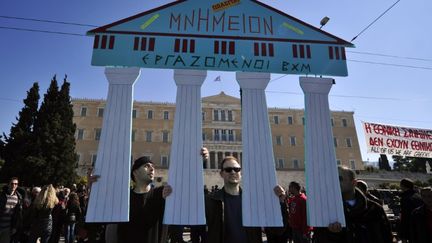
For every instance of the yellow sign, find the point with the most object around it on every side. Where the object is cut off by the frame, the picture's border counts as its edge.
(298, 31)
(148, 22)
(225, 5)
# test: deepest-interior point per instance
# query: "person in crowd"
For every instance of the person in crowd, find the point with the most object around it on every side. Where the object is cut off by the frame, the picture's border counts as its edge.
(224, 209)
(58, 217)
(365, 220)
(297, 217)
(73, 215)
(34, 192)
(409, 201)
(11, 203)
(363, 186)
(421, 219)
(41, 217)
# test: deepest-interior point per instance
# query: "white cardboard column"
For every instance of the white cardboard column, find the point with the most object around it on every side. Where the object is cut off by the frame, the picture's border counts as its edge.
(185, 206)
(324, 204)
(259, 203)
(109, 198)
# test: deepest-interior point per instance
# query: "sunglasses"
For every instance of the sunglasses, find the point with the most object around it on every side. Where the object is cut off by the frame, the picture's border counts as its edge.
(14, 183)
(230, 169)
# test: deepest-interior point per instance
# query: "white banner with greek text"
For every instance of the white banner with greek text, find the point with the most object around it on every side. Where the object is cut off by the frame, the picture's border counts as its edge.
(396, 140)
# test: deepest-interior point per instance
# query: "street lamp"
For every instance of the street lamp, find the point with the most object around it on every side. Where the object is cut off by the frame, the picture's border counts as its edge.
(324, 21)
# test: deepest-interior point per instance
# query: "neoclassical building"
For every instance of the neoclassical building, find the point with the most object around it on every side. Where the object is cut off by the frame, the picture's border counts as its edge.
(152, 127)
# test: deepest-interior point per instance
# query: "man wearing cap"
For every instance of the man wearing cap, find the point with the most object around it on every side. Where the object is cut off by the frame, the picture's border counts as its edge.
(146, 208)
(10, 210)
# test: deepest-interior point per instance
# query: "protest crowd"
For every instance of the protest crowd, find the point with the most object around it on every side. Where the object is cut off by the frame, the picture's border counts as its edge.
(49, 214)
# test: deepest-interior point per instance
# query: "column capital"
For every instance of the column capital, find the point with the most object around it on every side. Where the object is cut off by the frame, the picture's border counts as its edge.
(190, 77)
(122, 75)
(252, 80)
(316, 85)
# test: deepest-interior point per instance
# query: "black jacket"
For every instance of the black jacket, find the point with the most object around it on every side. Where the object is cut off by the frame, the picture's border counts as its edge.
(418, 226)
(17, 213)
(366, 222)
(410, 200)
(214, 204)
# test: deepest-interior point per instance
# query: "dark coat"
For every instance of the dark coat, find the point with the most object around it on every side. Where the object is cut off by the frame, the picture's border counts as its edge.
(418, 227)
(410, 200)
(214, 204)
(17, 213)
(366, 222)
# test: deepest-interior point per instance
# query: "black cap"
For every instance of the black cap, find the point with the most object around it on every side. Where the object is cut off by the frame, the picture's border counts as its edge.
(138, 163)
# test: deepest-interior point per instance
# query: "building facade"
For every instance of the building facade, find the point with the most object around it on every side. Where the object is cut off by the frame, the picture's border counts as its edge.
(152, 129)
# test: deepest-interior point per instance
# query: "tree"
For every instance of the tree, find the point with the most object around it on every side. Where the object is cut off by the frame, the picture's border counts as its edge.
(383, 163)
(55, 131)
(65, 172)
(20, 145)
(412, 164)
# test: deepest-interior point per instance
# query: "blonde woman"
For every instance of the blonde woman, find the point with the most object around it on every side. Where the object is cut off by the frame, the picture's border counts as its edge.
(41, 218)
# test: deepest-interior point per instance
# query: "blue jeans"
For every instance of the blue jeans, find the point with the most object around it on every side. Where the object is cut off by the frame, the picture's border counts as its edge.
(69, 233)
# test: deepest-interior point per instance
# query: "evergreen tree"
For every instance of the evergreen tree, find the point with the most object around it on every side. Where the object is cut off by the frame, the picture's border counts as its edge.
(383, 163)
(20, 145)
(47, 130)
(65, 172)
(55, 131)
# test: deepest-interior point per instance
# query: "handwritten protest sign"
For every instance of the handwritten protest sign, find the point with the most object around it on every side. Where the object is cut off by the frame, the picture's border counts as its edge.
(396, 140)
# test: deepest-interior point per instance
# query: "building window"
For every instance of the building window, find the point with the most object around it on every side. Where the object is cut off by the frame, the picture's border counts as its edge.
(78, 157)
(150, 114)
(348, 142)
(215, 115)
(97, 134)
(303, 121)
(293, 141)
(134, 113)
(230, 116)
(148, 136)
(332, 122)
(352, 164)
(335, 142)
(224, 135)
(80, 135)
(165, 137)
(203, 116)
(344, 122)
(133, 135)
(338, 162)
(280, 164)
(295, 164)
(231, 135)
(93, 160)
(203, 136)
(223, 117)
(164, 161)
(100, 112)
(276, 119)
(279, 140)
(83, 111)
(216, 135)
(166, 115)
(290, 120)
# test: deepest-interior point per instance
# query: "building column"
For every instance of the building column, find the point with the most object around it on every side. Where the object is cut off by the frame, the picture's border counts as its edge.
(259, 203)
(185, 206)
(109, 198)
(324, 203)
